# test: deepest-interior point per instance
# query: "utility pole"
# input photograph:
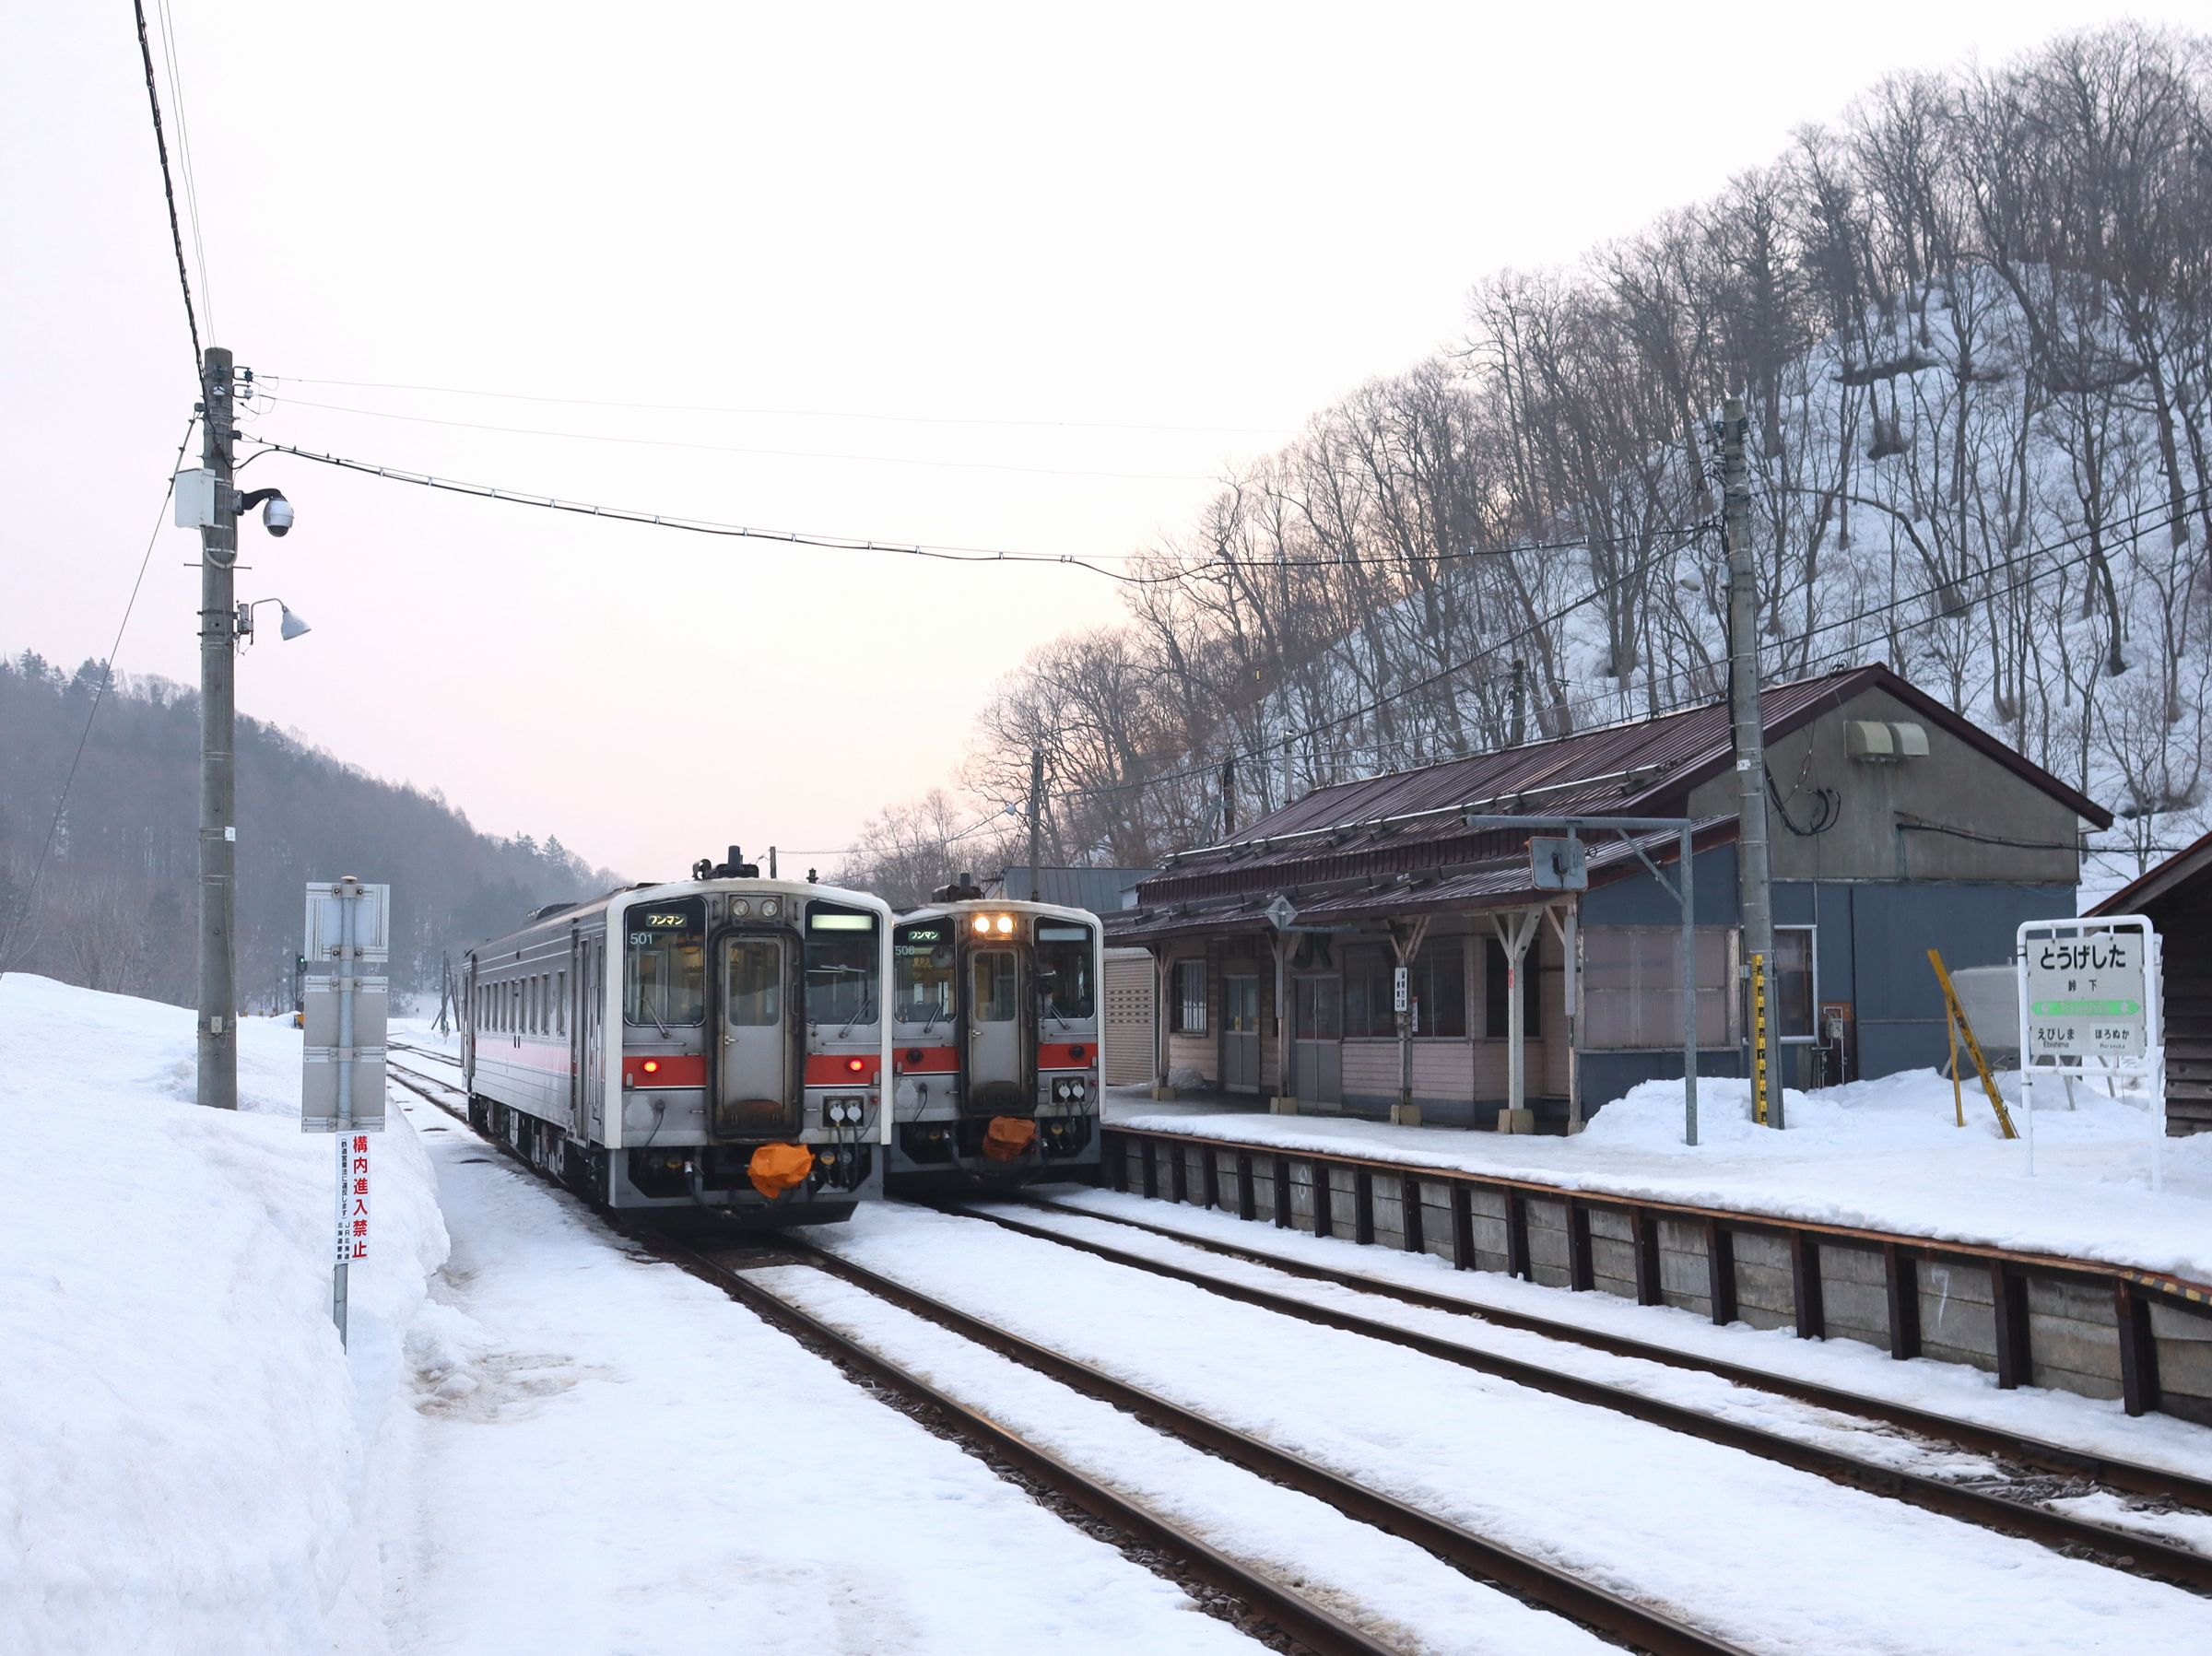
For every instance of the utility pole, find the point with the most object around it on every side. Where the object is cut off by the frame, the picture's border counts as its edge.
(218, 1041)
(1518, 732)
(1228, 797)
(1754, 880)
(1036, 821)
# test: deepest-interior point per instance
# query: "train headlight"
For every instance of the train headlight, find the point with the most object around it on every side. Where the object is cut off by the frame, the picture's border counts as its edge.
(982, 923)
(740, 908)
(1005, 925)
(770, 907)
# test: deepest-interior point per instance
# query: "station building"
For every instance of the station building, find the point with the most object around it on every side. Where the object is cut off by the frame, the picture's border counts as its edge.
(1895, 825)
(2176, 897)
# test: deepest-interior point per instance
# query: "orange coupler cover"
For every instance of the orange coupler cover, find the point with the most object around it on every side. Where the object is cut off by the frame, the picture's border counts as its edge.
(775, 1169)
(1008, 1136)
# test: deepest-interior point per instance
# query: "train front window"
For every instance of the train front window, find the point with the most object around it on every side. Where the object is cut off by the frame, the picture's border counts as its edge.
(922, 963)
(665, 965)
(842, 984)
(1064, 962)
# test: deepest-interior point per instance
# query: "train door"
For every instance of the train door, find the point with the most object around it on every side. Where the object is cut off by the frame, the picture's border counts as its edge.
(753, 1091)
(995, 1071)
(1240, 1032)
(576, 995)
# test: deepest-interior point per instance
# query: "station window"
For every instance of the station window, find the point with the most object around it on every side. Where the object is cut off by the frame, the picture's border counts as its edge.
(842, 965)
(1187, 1004)
(1496, 1001)
(665, 977)
(922, 964)
(1631, 988)
(1370, 993)
(1064, 960)
(1317, 1007)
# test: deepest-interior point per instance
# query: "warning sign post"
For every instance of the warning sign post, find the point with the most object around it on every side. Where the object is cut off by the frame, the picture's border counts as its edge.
(343, 1011)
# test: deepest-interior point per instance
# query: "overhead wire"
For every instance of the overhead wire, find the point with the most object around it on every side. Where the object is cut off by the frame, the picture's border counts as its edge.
(168, 189)
(107, 677)
(192, 185)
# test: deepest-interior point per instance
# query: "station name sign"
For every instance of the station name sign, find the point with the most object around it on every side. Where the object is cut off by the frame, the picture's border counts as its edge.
(2086, 995)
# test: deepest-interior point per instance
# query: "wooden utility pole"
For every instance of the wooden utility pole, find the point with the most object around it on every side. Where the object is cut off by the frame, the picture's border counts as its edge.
(217, 1037)
(1228, 797)
(1036, 821)
(1753, 879)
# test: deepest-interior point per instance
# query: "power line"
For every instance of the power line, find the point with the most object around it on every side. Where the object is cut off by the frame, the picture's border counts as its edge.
(169, 188)
(905, 419)
(1379, 702)
(1096, 564)
(100, 693)
(192, 185)
(724, 448)
(623, 514)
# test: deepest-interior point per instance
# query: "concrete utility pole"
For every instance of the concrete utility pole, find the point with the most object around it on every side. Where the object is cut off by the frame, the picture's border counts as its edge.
(1036, 822)
(1754, 880)
(217, 1041)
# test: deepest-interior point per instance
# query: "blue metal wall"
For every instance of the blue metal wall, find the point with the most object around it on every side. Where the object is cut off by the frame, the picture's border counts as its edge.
(1871, 945)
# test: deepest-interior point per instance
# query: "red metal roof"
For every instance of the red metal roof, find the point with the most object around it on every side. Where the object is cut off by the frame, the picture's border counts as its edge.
(1646, 768)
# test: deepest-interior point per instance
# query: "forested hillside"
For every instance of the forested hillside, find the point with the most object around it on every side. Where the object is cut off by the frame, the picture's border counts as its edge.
(1973, 320)
(115, 907)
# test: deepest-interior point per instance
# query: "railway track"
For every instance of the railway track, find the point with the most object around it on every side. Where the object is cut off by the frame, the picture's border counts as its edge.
(1185, 1557)
(2009, 1507)
(1616, 1618)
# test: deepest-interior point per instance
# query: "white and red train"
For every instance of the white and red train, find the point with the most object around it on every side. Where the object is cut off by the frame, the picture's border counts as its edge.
(995, 1020)
(726, 1044)
(717, 1043)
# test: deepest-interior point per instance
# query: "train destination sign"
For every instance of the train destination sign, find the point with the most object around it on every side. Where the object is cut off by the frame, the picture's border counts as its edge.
(2085, 996)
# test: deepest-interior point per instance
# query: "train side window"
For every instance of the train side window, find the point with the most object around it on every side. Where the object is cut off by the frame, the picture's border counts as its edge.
(842, 965)
(1064, 956)
(923, 968)
(561, 1002)
(664, 973)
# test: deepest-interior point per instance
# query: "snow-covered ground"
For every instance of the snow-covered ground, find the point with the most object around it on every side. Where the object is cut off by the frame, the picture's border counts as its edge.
(613, 1456)
(543, 1443)
(1774, 1558)
(1885, 1155)
(188, 1462)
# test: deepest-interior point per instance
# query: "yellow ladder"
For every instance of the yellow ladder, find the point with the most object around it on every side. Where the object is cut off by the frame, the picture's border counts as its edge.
(1956, 1014)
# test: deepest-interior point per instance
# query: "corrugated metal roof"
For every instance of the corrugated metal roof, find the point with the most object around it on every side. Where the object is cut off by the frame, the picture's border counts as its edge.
(1646, 768)
(1498, 881)
(1102, 891)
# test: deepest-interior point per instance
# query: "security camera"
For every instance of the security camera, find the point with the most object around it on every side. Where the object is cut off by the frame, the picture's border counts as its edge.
(275, 511)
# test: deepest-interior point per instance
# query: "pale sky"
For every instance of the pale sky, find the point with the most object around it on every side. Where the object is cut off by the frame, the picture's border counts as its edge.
(1024, 277)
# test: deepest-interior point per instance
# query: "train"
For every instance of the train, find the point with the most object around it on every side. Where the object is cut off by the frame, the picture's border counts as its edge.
(716, 1045)
(995, 1022)
(724, 1046)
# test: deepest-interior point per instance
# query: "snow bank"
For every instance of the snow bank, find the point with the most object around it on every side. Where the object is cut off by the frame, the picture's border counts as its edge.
(1886, 1155)
(188, 1462)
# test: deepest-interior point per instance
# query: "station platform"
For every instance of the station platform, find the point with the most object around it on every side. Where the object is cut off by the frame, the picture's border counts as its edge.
(1877, 1218)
